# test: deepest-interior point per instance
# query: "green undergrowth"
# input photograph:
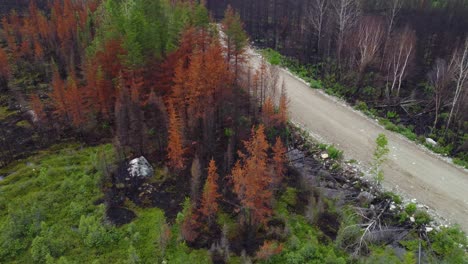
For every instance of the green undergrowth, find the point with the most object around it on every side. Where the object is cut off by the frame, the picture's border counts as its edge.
(4, 113)
(50, 212)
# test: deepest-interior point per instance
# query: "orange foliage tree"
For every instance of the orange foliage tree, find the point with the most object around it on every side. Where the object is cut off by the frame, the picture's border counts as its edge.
(278, 161)
(4, 69)
(209, 204)
(75, 102)
(58, 95)
(175, 149)
(268, 113)
(38, 107)
(252, 179)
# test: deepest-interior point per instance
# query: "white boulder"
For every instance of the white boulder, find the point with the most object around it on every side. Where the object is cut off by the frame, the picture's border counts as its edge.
(430, 141)
(140, 168)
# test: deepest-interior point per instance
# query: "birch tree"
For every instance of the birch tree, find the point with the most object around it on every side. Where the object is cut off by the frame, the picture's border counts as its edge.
(460, 60)
(400, 56)
(394, 7)
(440, 78)
(369, 35)
(347, 13)
(316, 17)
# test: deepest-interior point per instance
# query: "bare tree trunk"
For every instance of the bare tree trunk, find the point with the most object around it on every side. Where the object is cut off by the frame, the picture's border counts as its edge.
(439, 78)
(461, 75)
(316, 17)
(369, 36)
(395, 7)
(399, 57)
(346, 12)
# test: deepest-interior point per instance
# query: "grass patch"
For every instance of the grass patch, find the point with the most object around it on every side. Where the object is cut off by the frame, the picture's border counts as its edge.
(334, 153)
(272, 56)
(4, 112)
(24, 124)
(48, 213)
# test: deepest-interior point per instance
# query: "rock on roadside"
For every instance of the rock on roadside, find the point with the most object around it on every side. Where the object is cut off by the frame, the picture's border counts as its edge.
(140, 168)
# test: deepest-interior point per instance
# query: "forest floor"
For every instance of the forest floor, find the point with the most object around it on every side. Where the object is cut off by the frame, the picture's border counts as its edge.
(410, 169)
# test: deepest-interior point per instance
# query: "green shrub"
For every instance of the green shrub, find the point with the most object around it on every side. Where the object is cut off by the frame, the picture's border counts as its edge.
(392, 196)
(290, 196)
(380, 156)
(39, 249)
(316, 84)
(422, 218)
(334, 153)
(410, 209)
(392, 115)
(361, 106)
(461, 162)
(93, 233)
(450, 245)
(322, 146)
(409, 134)
(382, 255)
(272, 56)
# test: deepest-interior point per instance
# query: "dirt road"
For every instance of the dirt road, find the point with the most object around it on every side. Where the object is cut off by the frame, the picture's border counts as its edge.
(410, 169)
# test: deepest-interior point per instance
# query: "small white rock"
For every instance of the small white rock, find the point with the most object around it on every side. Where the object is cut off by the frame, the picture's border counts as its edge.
(324, 156)
(412, 219)
(430, 141)
(429, 229)
(392, 207)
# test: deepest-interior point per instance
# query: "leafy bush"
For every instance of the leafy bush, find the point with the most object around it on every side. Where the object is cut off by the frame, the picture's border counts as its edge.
(450, 245)
(316, 84)
(382, 255)
(392, 115)
(392, 196)
(93, 233)
(422, 218)
(290, 196)
(272, 56)
(410, 209)
(380, 156)
(39, 249)
(461, 162)
(334, 153)
(361, 106)
(409, 134)
(322, 146)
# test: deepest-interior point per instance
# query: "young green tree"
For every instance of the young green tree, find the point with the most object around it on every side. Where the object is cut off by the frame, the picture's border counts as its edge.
(236, 39)
(380, 156)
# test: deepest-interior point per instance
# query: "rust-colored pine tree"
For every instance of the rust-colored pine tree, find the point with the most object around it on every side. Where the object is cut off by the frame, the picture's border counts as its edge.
(268, 113)
(58, 95)
(209, 204)
(175, 149)
(75, 101)
(38, 107)
(194, 86)
(5, 70)
(216, 75)
(252, 179)
(278, 161)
